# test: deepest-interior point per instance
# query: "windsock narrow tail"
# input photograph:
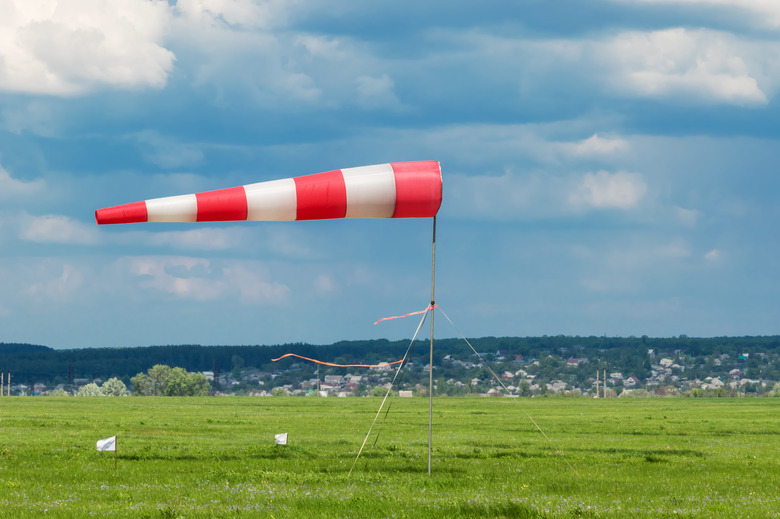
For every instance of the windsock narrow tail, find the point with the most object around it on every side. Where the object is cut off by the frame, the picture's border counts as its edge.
(394, 190)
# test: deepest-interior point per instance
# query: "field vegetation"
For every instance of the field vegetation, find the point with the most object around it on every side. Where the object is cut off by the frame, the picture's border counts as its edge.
(216, 457)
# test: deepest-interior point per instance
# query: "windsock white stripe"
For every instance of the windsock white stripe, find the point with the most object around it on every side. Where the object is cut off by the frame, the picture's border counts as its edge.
(274, 200)
(182, 208)
(370, 191)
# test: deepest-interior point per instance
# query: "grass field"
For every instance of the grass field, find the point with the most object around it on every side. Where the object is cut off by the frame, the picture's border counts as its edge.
(216, 457)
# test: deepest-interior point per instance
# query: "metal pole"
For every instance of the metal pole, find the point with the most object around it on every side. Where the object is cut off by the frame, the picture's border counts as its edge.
(430, 373)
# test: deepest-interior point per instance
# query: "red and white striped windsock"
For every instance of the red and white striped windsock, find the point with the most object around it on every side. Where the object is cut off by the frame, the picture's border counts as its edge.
(395, 190)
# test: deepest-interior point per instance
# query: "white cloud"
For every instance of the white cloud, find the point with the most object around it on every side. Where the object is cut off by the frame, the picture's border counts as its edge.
(11, 188)
(713, 256)
(52, 228)
(253, 285)
(695, 65)
(202, 238)
(71, 47)
(497, 197)
(241, 13)
(376, 92)
(237, 56)
(619, 190)
(56, 285)
(201, 279)
(629, 264)
(36, 116)
(596, 146)
(167, 152)
(699, 64)
(767, 12)
(325, 284)
(687, 217)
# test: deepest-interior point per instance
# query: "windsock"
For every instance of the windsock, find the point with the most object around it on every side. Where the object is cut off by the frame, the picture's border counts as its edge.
(394, 190)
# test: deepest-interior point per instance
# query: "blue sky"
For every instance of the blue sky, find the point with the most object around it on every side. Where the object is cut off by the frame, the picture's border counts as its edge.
(610, 167)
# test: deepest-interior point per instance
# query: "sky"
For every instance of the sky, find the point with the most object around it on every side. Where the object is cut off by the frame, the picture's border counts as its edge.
(610, 167)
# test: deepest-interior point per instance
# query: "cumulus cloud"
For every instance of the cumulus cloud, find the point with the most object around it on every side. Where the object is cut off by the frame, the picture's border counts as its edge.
(767, 12)
(376, 92)
(605, 190)
(713, 256)
(596, 146)
(229, 47)
(12, 188)
(71, 47)
(56, 285)
(501, 197)
(325, 284)
(201, 279)
(239, 13)
(700, 64)
(52, 228)
(167, 152)
(625, 266)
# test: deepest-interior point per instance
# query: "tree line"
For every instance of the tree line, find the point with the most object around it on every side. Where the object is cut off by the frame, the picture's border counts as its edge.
(35, 363)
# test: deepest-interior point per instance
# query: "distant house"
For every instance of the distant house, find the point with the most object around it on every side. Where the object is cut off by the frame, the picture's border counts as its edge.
(631, 382)
(573, 363)
(556, 386)
(405, 394)
(382, 366)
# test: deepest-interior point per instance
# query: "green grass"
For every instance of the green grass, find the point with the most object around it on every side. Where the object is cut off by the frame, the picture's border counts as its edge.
(216, 457)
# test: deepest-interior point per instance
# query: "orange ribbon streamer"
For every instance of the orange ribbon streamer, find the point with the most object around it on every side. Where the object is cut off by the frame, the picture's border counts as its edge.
(336, 365)
(430, 307)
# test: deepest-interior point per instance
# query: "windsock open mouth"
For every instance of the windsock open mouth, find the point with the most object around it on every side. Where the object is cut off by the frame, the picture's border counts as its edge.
(393, 190)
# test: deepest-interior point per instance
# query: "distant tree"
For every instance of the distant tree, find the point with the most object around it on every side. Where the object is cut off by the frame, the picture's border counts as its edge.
(380, 391)
(181, 383)
(142, 385)
(162, 380)
(279, 391)
(59, 392)
(175, 383)
(158, 376)
(90, 389)
(114, 387)
(196, 384)
(238, 365)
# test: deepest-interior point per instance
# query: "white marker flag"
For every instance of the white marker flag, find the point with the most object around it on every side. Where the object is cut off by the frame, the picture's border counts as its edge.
(109, 444)
(281, 439)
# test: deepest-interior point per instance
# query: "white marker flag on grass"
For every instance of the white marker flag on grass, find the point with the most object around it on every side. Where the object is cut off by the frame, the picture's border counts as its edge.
(109, 444)
(281, 439)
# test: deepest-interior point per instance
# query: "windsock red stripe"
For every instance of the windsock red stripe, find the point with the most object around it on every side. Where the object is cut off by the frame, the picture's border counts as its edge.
(127, 213)
(321, 196)
(417, 189)
(222, 205)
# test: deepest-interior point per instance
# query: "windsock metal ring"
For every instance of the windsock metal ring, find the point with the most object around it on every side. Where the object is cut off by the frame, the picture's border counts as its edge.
(394, 190)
